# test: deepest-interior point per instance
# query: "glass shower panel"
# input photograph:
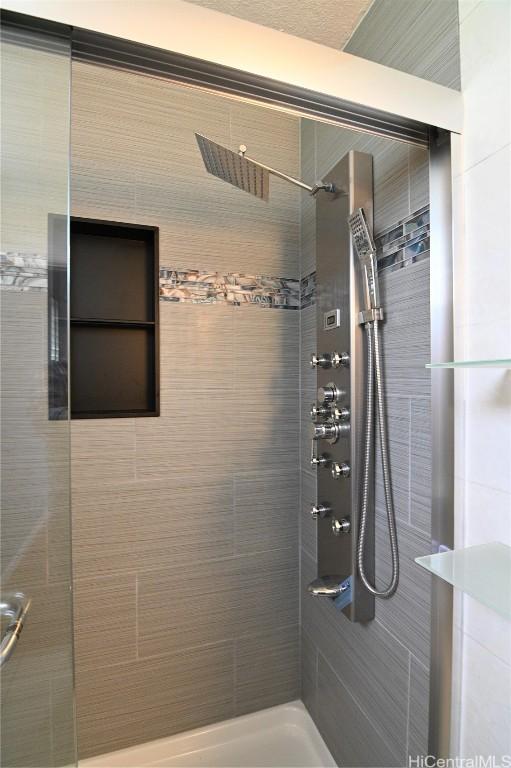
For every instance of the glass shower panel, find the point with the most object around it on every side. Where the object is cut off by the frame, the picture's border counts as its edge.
(37, 697)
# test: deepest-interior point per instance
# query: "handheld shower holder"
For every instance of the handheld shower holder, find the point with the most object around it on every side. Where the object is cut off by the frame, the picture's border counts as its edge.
(370, 315)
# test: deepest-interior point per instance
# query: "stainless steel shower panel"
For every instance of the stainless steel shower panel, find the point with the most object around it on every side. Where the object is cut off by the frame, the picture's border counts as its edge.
(339, 363)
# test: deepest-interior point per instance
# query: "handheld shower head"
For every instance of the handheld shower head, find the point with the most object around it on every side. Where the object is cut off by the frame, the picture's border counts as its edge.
(366, 252)
(362, 239)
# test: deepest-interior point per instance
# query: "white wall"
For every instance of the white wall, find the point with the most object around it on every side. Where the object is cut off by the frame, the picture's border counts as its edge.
(482, 183)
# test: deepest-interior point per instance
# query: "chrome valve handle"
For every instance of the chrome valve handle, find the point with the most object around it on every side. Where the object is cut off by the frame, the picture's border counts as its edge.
(340, 527)
(329, 394)
(319, 412)
(326, 431)
(340, 470)
(319, 461)
(320, 510)
(340, 413)
(322, 360)
(340, 360)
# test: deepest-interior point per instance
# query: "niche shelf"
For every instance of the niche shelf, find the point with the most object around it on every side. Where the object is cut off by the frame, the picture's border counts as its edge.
(503, 363)
(114, 319)
(483, 572)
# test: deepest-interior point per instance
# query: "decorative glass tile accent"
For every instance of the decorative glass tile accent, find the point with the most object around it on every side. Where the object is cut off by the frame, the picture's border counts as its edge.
(308, 290)
(405, 243)
(214, 288)
(23, 272)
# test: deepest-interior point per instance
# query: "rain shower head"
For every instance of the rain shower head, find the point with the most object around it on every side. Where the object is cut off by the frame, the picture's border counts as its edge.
(245, 172)
(234, 168)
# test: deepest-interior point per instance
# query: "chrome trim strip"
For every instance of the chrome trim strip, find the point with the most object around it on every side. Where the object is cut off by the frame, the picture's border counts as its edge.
(442, 442)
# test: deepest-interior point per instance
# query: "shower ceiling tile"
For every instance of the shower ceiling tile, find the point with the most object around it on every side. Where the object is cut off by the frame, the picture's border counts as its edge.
(130, 703)
(258, 499)
(420, 38)
(267, 669)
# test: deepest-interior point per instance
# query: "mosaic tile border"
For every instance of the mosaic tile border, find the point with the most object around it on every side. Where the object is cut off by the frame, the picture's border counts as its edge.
(233, 288)
(405, 243)
(398, 246)
(23, 271)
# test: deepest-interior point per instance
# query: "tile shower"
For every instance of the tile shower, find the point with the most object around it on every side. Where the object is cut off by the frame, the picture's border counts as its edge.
(185, 523)
(192, 539)
(375, 677)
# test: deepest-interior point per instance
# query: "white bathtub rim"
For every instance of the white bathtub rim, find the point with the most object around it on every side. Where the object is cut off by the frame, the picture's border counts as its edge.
(292, 714)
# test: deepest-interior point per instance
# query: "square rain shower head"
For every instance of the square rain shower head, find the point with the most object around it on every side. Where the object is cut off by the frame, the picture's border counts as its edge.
(234, 168)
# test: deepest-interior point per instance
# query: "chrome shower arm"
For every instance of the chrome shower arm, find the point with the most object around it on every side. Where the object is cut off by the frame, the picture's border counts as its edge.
(312, 190)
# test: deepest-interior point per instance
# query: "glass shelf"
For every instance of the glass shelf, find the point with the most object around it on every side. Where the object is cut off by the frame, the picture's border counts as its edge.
(504, 363)
(483, 572)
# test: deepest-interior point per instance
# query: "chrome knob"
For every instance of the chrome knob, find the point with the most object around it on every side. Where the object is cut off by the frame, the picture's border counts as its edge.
(327, 431)
(320, 510)
(320, 461)
(321, 361)
(329, 394)
(319, 411)
(340, 470)
(340, 360)
(340, 414)
(340, 527)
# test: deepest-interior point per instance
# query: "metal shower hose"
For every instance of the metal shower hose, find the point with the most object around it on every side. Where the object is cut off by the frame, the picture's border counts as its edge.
(374, 368)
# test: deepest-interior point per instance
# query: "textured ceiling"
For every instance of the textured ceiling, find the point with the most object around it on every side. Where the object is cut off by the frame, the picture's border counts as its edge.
(329, 22)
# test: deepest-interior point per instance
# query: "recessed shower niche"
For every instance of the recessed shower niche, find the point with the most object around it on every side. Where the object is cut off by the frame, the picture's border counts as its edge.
(114, 319)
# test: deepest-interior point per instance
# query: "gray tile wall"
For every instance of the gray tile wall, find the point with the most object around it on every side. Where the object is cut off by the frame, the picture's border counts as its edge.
(367, 686)
(376, 676)
(37, 683)
(183, 525)
(420, 37)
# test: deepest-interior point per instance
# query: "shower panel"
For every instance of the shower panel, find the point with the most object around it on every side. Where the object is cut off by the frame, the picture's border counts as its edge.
(337, 416)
